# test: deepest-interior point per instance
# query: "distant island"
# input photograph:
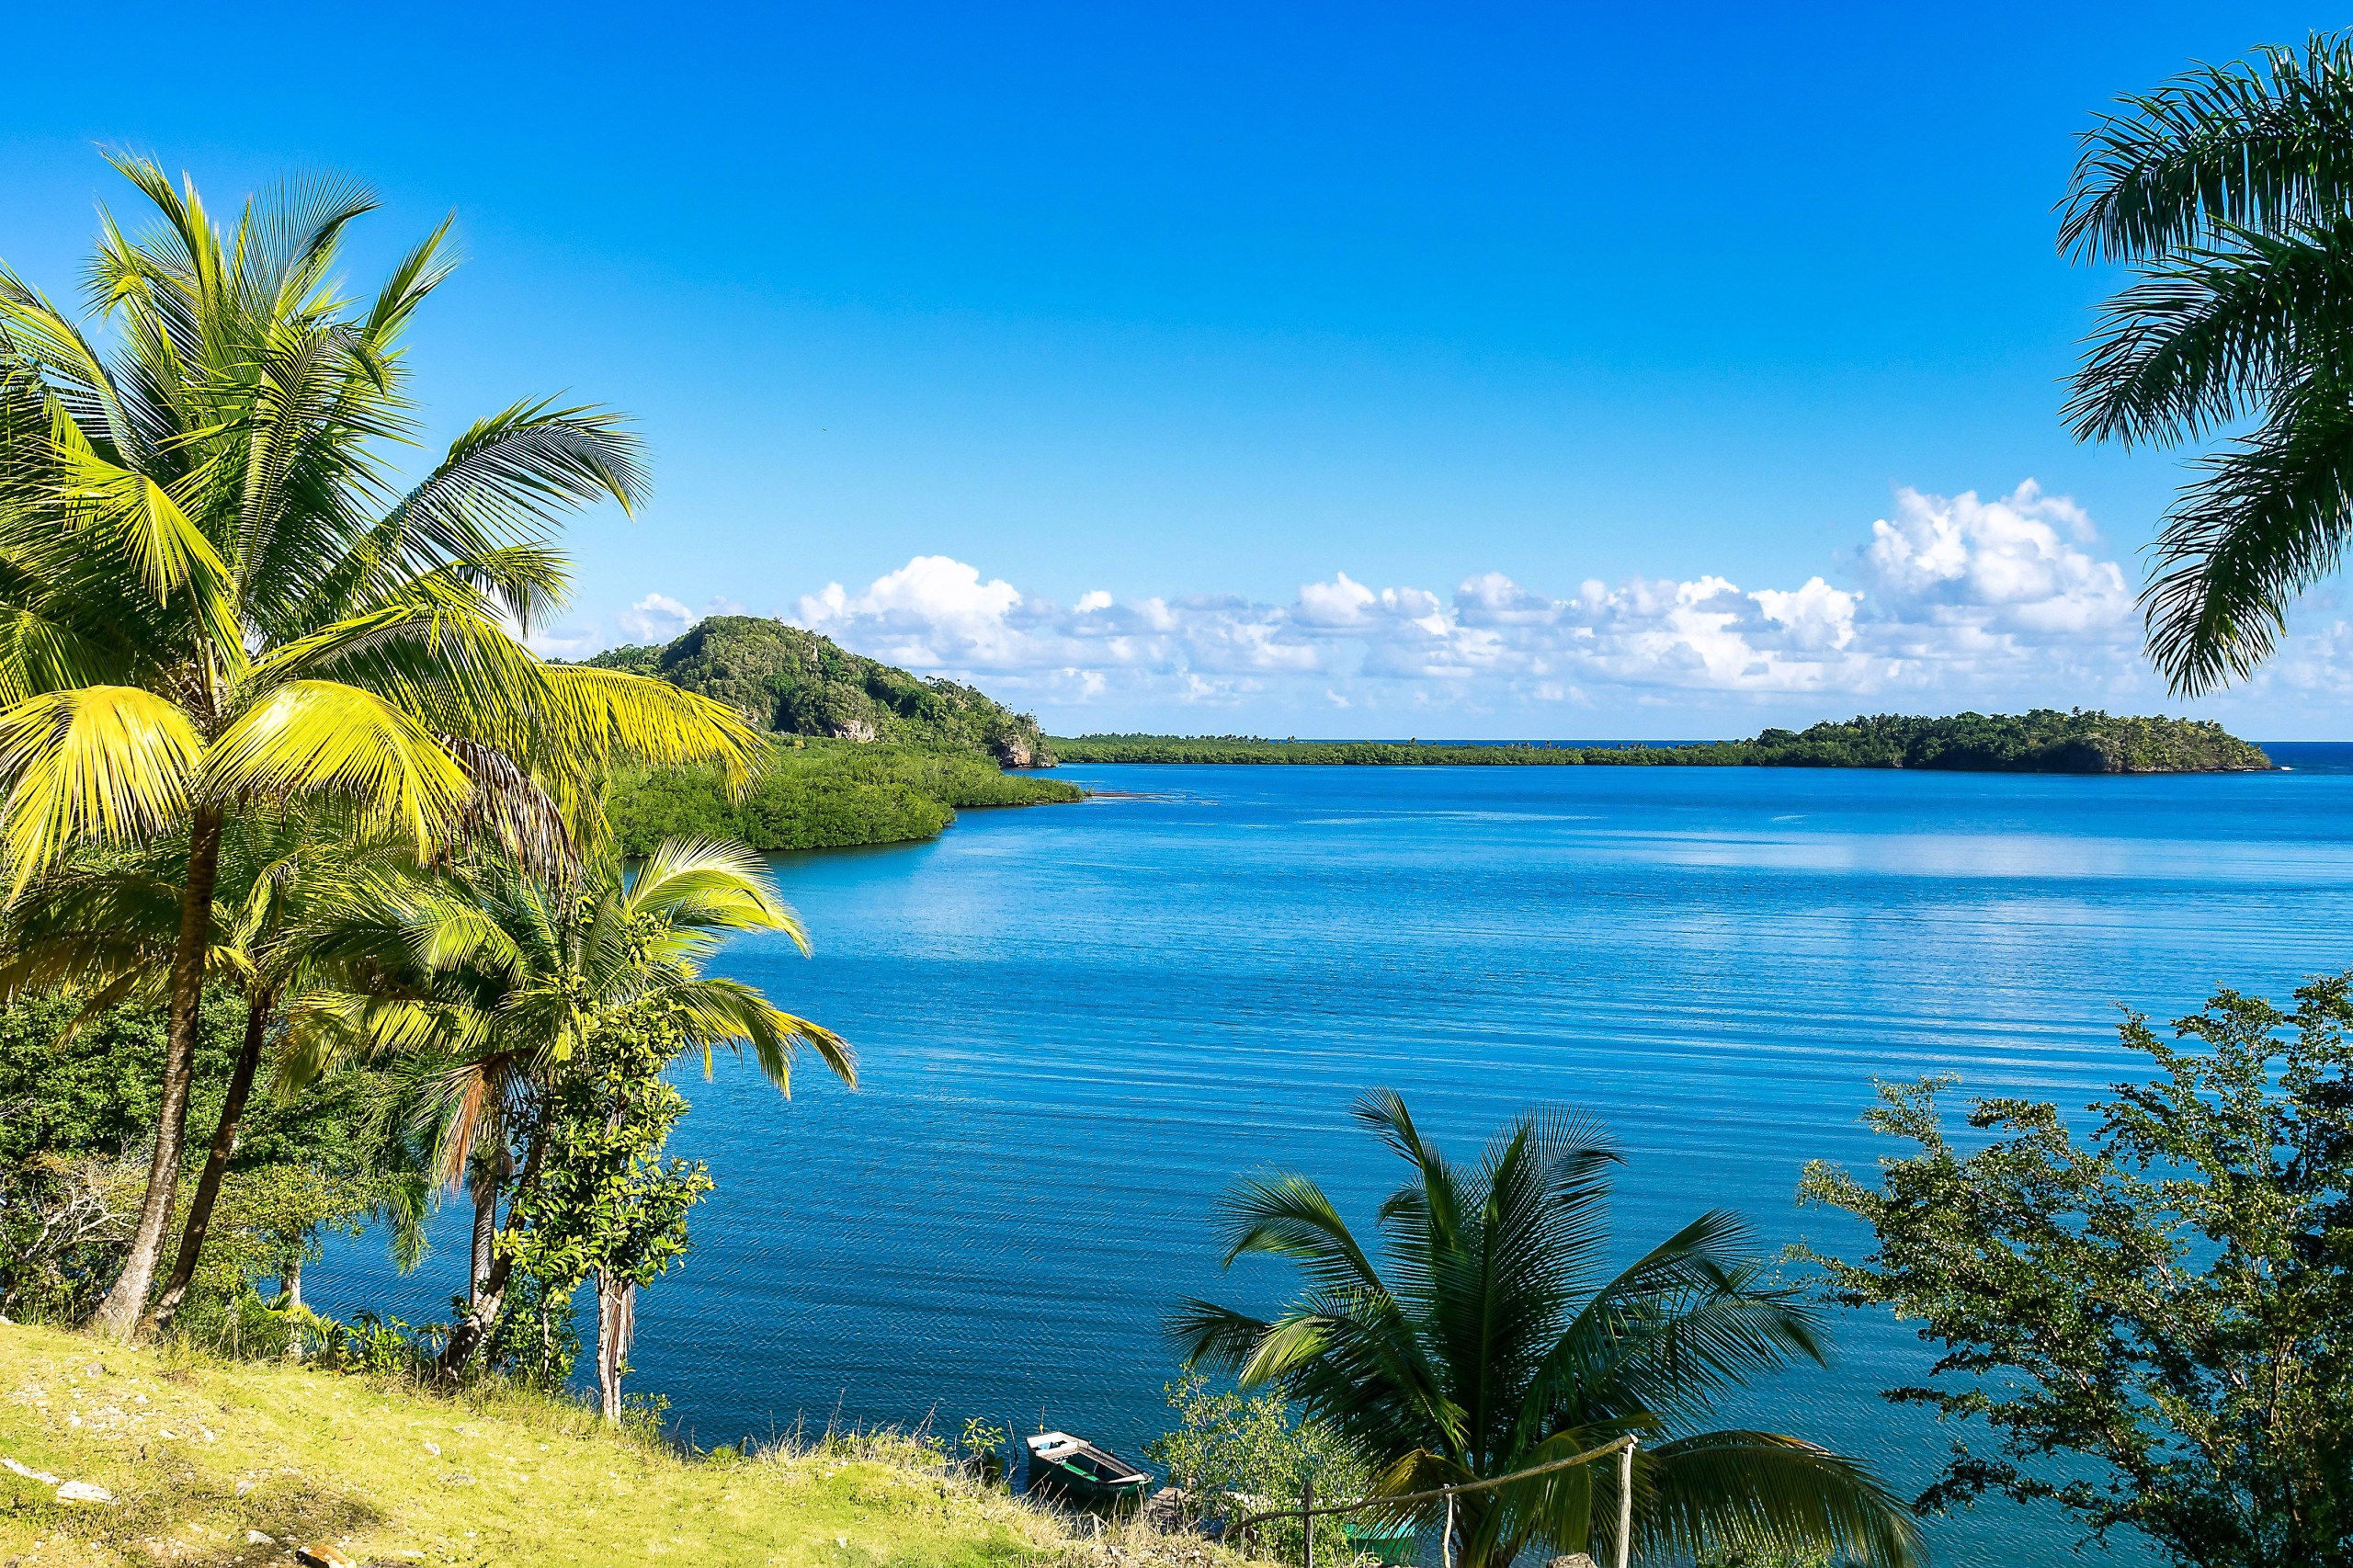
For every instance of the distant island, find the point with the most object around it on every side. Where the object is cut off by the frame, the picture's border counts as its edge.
(865, 752)
(2043, 741)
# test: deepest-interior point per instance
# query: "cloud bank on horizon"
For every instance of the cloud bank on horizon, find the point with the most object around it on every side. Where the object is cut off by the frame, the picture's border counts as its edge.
(1952, 602)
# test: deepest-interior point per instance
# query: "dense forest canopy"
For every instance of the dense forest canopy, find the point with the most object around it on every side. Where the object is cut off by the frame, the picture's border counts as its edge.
(798, 682)
(2044, 741)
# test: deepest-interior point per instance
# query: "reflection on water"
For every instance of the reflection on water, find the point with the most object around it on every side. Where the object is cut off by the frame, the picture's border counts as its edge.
(1077, 1024)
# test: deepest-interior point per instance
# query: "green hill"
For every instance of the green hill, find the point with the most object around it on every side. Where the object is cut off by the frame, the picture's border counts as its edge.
(798, 682)
(2043, 741)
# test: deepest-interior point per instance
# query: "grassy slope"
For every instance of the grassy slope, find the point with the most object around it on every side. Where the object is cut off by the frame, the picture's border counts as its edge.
(344, 1460)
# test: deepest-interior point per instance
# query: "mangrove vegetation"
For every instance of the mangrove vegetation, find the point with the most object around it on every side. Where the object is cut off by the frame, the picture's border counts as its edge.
(2043, 741)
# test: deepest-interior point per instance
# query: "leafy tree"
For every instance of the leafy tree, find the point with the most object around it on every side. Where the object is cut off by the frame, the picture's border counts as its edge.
(2154, 1324)
(607, 1205)
(1495, 1340)
(2230, 191)
(1231, 1445)
(214, 595)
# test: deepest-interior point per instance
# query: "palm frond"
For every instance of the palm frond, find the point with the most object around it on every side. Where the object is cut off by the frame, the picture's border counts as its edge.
(2260, 142)
(1765, 1492)
(313, 738)
(2269, 519)
(98, 764)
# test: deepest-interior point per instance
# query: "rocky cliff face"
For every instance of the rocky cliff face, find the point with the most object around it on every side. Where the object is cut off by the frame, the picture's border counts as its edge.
(798, 682)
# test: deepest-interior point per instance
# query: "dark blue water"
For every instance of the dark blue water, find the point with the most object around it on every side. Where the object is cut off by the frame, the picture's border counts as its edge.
(1078, 1023)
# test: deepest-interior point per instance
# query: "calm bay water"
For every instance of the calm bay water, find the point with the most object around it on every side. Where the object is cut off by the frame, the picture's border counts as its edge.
(1077, 1024)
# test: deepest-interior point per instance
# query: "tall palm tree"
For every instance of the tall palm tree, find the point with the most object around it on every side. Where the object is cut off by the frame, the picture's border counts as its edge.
(103, 928)
(1495, 1339)
(2230, 191)
(499, 977)
(215, 593)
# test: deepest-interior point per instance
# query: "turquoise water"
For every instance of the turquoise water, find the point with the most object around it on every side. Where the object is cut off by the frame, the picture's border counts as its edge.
(1077, 1024)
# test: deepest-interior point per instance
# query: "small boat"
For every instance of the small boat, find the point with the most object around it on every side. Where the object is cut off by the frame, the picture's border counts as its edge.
(1070, 1470)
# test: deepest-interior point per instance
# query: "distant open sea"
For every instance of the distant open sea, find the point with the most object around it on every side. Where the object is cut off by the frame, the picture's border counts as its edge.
(1077, 1024)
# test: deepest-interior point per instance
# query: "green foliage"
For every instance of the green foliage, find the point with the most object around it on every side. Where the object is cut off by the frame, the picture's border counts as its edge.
(798, 682)
(2229, 191)
(2156, 1323)
(606, 1200)
(2044, 741)
(77, 1112)
(65, 1221)
(268, 1223)
(820, 795)
(1237, 1453)
(1497, 1339)
(536, 1340)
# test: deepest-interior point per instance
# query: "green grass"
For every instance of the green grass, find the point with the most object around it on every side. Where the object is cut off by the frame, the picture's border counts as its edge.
(349, 1460)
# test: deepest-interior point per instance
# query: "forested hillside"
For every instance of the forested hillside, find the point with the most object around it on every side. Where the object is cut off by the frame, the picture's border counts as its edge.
(798, 682)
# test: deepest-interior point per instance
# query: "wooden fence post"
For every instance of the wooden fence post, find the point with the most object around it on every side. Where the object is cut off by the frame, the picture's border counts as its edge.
(1307, 1517)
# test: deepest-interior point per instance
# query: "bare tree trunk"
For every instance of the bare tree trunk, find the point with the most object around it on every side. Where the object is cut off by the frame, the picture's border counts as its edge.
(119, 1314)
(290, 1291)
(616, 1327)
(258, 1008)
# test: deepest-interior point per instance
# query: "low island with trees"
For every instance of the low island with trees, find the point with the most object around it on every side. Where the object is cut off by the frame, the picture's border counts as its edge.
(2043, 741)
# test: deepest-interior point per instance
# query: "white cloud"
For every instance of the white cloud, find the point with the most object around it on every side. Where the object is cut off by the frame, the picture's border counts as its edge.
(656, 618)
(1951, 602)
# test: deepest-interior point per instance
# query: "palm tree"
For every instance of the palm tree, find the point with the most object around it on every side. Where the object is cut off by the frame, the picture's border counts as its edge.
(2230, 190)
(498, 977)
(214, 595)
(1496, 1340)
(104, 927)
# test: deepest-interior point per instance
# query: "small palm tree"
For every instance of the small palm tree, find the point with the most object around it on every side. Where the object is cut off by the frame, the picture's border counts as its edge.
(1495, 1339)
(2230, 190)
(493, 978)
(214, 595)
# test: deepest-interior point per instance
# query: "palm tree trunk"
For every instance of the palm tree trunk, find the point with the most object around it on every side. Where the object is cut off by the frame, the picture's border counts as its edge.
(126, 1303)
(258, 1008)
(616, 1327)
(490, 1175)
(468, 1333)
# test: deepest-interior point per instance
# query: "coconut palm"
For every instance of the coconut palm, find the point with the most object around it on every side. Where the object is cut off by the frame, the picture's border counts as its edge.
(105, 926)
(496, 978)
(1494, 1339)
(215, 594)
(2230, 190)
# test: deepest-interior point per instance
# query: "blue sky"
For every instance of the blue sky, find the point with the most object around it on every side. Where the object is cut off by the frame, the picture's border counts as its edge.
(1346, 369)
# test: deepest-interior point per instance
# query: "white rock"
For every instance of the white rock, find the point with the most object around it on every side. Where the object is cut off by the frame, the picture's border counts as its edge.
(433, 1449)
(255, 1538)
(28, 1472)
(243, 1487)
(84, 1491)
